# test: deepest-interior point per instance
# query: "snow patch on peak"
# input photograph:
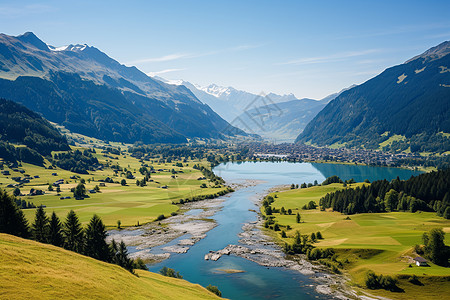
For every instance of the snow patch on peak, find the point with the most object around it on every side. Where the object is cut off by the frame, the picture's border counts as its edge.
(77, 47)
(74, 48)
(216, 90)
(53, 48)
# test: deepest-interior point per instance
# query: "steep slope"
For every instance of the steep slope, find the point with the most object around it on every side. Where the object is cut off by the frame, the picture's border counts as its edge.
(411, 100)
(31, 270)
(20, 125)
(91, 93)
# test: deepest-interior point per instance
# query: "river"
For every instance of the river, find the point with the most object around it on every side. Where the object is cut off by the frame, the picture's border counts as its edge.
(258, 282)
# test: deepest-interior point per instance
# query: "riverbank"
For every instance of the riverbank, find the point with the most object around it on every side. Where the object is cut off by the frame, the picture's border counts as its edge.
(156, 241)
(255, 245)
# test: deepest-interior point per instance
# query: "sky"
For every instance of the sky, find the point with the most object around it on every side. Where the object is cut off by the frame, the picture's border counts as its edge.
(308, 48)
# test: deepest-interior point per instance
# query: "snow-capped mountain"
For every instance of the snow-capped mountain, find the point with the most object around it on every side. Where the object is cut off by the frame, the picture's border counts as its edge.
(90, 93)
(229, 102)
(274, 117)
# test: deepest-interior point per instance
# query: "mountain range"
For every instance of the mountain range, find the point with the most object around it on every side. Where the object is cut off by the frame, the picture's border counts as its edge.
(278, 118)
(406, 107)
(88, 92)
(228, 102)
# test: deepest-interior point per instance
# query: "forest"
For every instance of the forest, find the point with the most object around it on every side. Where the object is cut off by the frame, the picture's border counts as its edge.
(426, 192)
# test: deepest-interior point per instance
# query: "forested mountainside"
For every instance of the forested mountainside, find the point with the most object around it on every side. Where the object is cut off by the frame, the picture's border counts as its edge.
(19, 125)
(407, 107)
(85, 90)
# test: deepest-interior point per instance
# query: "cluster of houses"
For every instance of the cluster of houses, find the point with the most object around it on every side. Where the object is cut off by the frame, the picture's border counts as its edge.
(301, 152)
(19, 179)
(58, 182)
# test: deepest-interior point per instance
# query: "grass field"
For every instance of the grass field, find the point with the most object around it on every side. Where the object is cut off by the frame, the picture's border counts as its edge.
(130, 204)
(31, 270)
(389, 236)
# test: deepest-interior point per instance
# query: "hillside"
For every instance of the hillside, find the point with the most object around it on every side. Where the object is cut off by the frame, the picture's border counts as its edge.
(406, 106)
(34, 270)
(90, 93)
(20, 125)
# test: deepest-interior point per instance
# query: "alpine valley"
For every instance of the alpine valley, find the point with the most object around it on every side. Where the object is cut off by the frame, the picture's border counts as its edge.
(88, 92)
(118, 184)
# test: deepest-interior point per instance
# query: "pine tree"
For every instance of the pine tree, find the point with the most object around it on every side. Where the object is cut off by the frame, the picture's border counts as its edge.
(12, 219)
(96, 246)
(40, 227)
(120, 256)
(298, 218)
(55, 231)
(73, 233)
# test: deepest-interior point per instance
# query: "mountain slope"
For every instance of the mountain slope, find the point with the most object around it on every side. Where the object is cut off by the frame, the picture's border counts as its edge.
(31, 270)
(282, 121)
(229, 102)
(91, 93)
(411, 100)
(20, 125)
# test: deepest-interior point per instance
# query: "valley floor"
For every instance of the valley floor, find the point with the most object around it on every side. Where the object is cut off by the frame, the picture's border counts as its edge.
(382, 242)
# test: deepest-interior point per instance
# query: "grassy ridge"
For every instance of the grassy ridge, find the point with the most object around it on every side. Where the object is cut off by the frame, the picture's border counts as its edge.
(381, 242)
(30, 270)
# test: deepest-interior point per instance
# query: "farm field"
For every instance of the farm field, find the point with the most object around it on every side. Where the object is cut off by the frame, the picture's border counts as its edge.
(31, 270)
(131, 204)
(382, 242)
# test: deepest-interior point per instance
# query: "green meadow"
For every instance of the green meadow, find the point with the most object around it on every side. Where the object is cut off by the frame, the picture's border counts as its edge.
(381, 242)
(31, 270)
(130, 204)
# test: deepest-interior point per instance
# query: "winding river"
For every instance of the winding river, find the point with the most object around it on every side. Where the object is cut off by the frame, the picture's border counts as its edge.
(258, 282)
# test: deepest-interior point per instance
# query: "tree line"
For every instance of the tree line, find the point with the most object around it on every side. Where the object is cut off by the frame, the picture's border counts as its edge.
(69, 233)
(76, 161)
(426, 192)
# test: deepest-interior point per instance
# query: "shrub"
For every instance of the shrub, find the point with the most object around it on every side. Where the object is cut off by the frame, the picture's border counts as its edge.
(170, 273)
(139, 264)
(374, 281)
(214, 289)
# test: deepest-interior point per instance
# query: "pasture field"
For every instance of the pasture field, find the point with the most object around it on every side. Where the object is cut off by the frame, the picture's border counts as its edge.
(31, 270)
(382, 242)
(131, 204)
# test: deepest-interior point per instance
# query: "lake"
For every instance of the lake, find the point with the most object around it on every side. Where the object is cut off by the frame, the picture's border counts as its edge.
(258, 282)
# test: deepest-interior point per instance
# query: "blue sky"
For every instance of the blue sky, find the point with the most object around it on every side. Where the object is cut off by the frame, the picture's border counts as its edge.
(309, 48)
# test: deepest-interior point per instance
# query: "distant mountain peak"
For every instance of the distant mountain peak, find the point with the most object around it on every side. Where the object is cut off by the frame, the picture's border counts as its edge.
(31, 39)
(434, 53)
(216, 90)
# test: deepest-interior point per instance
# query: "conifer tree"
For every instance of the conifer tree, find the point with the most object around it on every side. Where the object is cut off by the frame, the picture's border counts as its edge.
(96, 245)
(40, 227)
(73, 233)
(12, 219)
(55, 232)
